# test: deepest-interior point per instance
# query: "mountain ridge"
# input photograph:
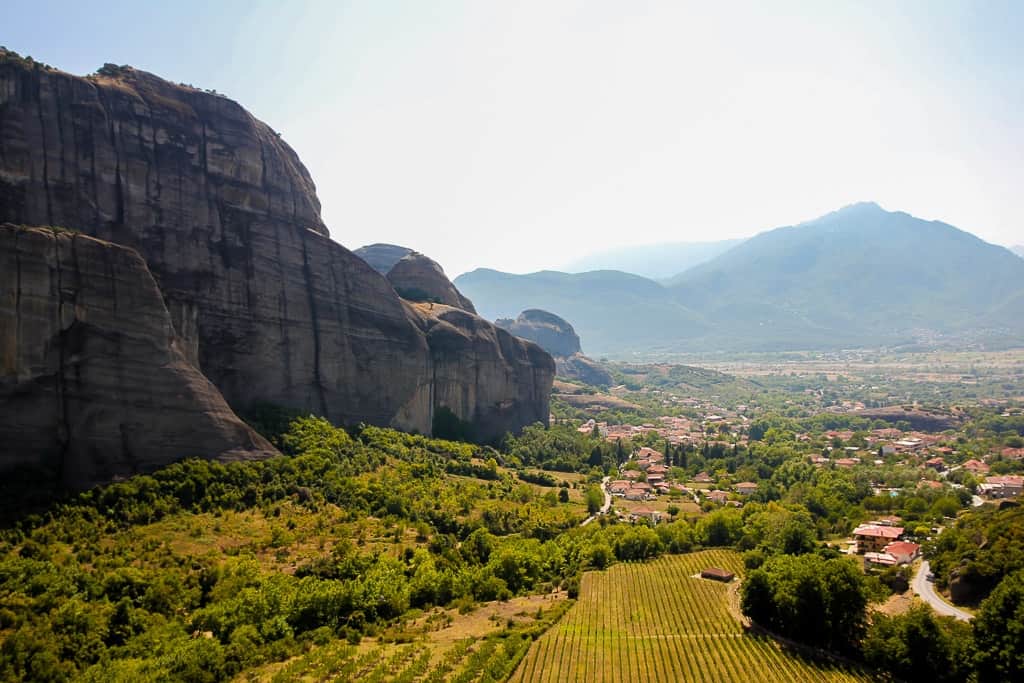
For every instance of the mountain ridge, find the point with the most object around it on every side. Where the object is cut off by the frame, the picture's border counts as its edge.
(858, 276)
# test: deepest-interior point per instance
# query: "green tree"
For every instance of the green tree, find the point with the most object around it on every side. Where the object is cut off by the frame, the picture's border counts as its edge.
(999, 632)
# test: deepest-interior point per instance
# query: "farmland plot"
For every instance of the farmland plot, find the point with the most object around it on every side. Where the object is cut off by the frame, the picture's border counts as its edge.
(658, 622)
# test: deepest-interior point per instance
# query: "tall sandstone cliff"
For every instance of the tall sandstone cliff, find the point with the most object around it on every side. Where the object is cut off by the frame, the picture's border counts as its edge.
(93, 380)
(227, 218)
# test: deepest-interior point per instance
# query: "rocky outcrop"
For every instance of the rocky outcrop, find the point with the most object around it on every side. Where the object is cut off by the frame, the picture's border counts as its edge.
(227, 218)
(382, 257)
(418, 278)
(93, 380)
(514, 376)
(414, 276)
(556, 336)
(586, 370)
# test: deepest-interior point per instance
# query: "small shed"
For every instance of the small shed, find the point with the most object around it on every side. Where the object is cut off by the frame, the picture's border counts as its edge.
(717, 574)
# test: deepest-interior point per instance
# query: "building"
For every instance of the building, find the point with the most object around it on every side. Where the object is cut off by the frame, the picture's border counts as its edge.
(904, 552)
(1007, 486)
(745, 488)
(653, 516)
(976, 467)
(874, 537)
(717, 574)
(720, 497)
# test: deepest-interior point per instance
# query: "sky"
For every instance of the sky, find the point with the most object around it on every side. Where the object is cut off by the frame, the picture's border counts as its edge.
(519, 136)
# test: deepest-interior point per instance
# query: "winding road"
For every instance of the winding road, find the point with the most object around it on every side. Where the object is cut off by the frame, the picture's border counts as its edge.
(926, 589)
(607, 502)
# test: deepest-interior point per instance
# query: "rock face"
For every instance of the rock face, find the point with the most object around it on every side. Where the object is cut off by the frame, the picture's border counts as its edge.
(556, 336)
(514, 376)
(418, 278)
(382, 257)
(93, 380)
(414, 276)
(227, 218)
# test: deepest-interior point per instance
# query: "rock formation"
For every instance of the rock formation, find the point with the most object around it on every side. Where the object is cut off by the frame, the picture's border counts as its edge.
(414, 276)
(382, 257)
(227, 218)
(418, 278)
(556, 336)
(513, 377)
(93, 380)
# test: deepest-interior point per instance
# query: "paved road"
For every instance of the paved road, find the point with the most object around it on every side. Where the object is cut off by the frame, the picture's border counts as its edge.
(923, 587)
(607, 502)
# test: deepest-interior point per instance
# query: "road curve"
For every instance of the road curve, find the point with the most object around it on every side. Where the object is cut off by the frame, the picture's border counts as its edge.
(926, 589)
(607, 502)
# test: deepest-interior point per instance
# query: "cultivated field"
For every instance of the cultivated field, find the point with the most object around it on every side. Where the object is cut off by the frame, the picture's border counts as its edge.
(657, 622)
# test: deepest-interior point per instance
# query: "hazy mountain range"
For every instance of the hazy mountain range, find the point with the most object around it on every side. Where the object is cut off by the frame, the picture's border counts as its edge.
(858, 277)
(1018, 250)
(655, 261)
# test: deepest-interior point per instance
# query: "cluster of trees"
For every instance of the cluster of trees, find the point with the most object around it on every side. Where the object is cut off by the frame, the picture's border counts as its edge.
(822, 602)
(973, 556)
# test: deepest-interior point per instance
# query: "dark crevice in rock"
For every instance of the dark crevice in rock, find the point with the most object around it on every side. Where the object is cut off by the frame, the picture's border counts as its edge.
(46, 154)
(315, 320)
(64, 435)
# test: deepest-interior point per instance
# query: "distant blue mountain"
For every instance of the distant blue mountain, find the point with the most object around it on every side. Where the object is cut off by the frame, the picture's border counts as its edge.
(654, 261)
(858, 277)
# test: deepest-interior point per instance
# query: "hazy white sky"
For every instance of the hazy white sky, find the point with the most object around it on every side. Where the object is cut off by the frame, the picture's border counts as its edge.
(518, 135)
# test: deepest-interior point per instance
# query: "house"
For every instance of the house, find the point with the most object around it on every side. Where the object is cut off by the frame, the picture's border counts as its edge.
(1007, 486)
(650, 455)
(903, 551)
(619, 487)
(874, 538)
(632, 474)
(880, 559)
(1013, 453)
(937, 464)
(745, 488)
(847, 462)
(635, 494)
(720, 497)
(976, 467)
(717, 574)
(888, 520)
(654, 479)
(657, 469)
(703, 478)
(653, 516)
(929, 484)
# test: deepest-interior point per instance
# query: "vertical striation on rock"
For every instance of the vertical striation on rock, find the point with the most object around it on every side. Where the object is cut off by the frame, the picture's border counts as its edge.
(94, 383)
(511, 377)
(227, 218)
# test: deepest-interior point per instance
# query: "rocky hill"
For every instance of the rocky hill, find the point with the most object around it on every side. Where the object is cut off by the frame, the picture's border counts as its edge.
(264, 303)
(556, 336)
(382, 257)
(94, 383)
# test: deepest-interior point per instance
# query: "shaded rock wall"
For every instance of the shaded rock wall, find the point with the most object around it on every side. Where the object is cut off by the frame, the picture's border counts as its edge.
(513, 377)
(227, 218)
(94, 383)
